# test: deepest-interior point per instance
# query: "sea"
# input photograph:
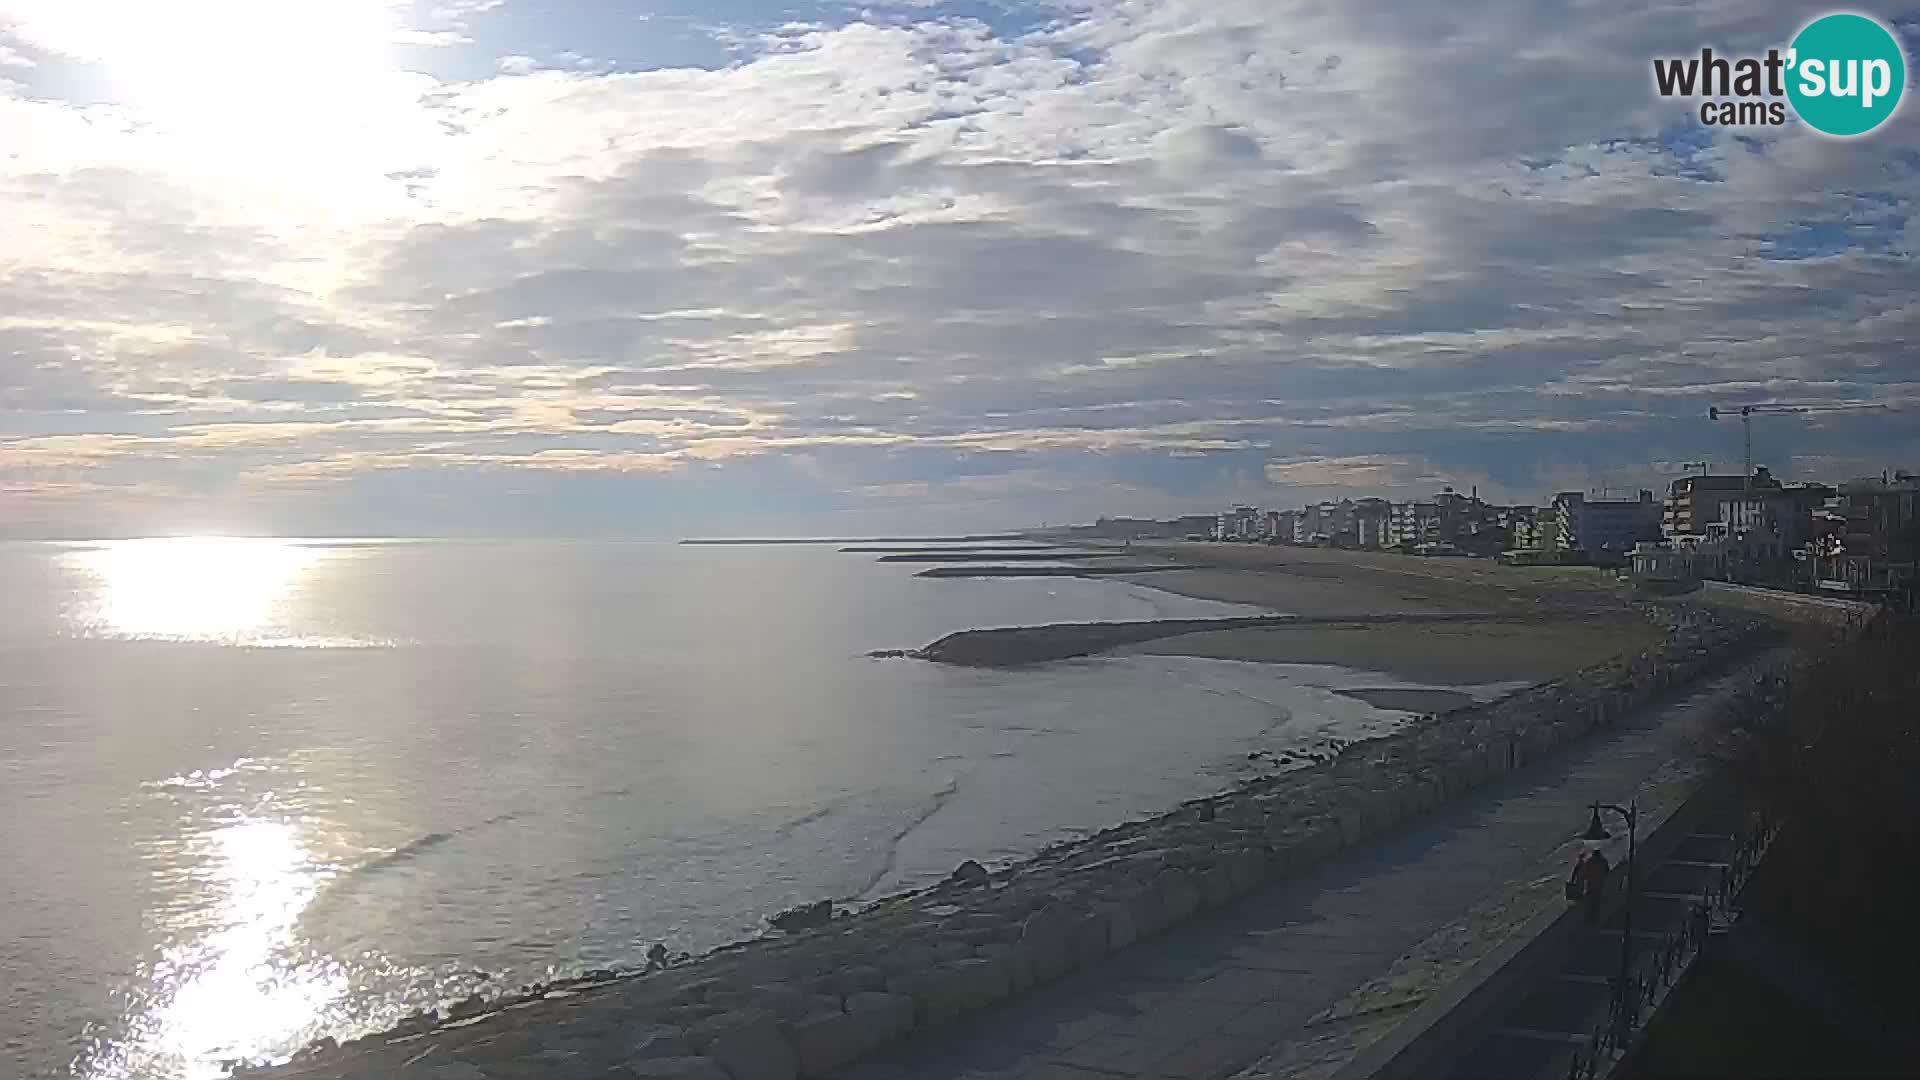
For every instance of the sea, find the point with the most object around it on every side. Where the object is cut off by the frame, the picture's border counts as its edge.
(255, 792)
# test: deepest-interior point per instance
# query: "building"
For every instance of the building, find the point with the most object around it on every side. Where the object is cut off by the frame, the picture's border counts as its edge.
(1281, 525)
(1694, 502)
(1415, 523)
(1324, 523)
(1882, 516)
(1524, 528)
(1121, 528)
(1603, 528)
(1460, 516)
(1240, 523)
(1778, 520)
(1373, 523)
(1194, 525)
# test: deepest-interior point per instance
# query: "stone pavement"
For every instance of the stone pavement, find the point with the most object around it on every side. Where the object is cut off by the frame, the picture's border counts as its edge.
(1213, 996)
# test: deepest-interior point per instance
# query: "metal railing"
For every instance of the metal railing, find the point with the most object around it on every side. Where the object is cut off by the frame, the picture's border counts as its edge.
(1657, 970)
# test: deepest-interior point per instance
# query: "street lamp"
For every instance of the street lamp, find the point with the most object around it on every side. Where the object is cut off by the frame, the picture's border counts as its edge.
(1597, 832)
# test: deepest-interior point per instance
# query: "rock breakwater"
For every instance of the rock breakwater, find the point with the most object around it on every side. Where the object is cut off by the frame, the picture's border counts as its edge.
(1018, 645)
(811, 1002)
(1049, 571)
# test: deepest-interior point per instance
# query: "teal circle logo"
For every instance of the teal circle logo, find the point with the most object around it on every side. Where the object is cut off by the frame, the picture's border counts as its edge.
(1845, 74)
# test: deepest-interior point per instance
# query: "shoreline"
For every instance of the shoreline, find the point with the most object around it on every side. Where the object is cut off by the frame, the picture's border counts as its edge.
(829, 995)
(1436, 622)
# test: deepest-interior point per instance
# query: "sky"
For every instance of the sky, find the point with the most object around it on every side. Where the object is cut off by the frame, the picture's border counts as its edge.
(790, 267)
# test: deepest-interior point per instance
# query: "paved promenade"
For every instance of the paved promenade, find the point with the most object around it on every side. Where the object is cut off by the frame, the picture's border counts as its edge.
(1215, 996)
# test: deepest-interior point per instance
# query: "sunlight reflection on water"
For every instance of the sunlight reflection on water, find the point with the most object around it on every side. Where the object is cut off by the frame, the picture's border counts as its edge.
(235, 991)
(190, 588)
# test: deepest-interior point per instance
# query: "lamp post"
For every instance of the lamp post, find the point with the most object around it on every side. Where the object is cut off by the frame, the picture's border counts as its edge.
(1597, 832)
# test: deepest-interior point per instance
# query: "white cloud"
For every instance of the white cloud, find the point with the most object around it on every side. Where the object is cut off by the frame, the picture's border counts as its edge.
(1333, 236)
(433, 39)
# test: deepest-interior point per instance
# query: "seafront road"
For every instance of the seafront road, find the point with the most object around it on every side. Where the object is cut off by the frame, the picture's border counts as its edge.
(1293, 979)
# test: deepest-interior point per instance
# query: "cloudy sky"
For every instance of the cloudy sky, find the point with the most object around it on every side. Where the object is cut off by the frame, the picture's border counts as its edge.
(792, 266)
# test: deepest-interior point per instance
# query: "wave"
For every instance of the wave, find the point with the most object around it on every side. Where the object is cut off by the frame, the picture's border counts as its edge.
(786, 830)
(404, 853)
(344, 883)
(892, 855)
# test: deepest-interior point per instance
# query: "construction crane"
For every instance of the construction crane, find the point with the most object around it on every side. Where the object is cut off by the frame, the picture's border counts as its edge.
(1747, 412)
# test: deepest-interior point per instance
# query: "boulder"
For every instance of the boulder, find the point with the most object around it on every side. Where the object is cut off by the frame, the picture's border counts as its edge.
(648, 1041)
(1353, 826)
(1249, 867)
(905, 958)
(1145, 912)
(1179, 897)
(827, 1042)
(882, 1016)
(852, 980)
(1047, 939)
(978, 982)
(968, 875)
(680, 1068)
(784, 1002)
(1018, 963)
(1216, 886)
(506, 1045)
(946, 952)
(1087, 942)
(804, 917)
(1121, 929)
(748, 1044)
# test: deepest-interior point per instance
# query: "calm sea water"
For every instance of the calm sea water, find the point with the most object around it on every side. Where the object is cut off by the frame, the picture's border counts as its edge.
(258, 792)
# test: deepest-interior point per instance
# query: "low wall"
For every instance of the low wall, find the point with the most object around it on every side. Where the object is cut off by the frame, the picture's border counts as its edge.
(1844, 616)
(815, 1002)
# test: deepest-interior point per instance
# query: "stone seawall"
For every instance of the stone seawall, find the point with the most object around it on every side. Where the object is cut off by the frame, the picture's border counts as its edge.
(1845, 617)
(813, 1002)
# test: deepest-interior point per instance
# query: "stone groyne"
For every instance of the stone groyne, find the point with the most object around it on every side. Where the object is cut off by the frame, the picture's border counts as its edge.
(1018, 645)
(976, 556)
(1050, 571)
(813, 1002)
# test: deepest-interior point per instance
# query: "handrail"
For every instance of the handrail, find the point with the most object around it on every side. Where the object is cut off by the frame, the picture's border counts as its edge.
(1659, 969)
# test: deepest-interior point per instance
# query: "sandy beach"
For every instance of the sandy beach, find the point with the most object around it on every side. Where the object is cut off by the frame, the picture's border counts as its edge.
(1550, 621)
(1443, 654)
(1325, 581)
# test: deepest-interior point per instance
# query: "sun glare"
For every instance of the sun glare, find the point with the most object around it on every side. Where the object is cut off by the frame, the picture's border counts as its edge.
(190, 589)
(218, 56)
(304, 93)
(235, 992)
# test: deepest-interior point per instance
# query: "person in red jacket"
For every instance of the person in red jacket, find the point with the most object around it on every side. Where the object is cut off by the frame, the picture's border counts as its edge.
(1589, 882)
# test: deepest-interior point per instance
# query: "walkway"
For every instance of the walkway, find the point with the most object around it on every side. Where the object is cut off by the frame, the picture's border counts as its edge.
(1210, 998)
(1550, 1021)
